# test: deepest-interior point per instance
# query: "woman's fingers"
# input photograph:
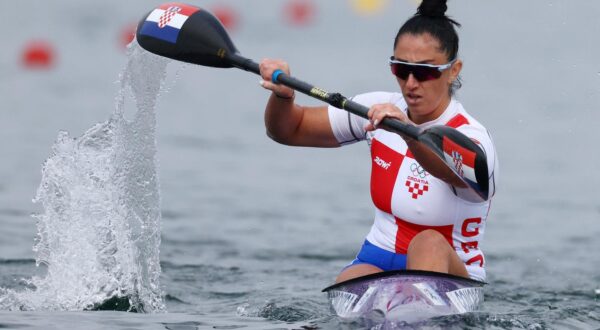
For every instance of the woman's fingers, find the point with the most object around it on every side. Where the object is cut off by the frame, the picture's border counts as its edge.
(279, 90)
(378, 112)
(267, 67)
(267, 85)
(379, 117)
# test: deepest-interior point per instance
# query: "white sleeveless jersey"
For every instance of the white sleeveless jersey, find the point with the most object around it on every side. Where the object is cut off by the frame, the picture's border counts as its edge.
(409, 200)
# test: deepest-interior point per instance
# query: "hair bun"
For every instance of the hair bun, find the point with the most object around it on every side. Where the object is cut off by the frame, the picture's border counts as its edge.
(433, 8)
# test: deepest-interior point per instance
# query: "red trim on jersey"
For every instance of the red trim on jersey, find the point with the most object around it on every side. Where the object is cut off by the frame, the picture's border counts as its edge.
(407, 231)
(384, 170)
(457, 121)
(409, 154)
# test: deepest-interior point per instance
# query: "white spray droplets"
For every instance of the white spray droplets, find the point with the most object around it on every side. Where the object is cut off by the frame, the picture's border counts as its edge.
(99, 233)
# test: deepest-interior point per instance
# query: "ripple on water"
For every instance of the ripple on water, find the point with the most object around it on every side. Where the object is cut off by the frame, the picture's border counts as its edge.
(324, 257)
(13, 212)
(190, 325)
(539, 308)
(26, 261)
(301, 310)
(13, 273)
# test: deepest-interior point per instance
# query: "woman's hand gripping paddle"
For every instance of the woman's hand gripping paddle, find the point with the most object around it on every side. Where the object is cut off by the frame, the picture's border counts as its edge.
(190, 34)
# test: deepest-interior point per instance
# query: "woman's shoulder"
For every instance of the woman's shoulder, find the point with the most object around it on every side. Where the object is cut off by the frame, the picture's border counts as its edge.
(461, 117)
(472, 128)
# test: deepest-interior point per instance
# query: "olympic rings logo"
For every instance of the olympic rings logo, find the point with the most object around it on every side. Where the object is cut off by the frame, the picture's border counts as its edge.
(417, 170)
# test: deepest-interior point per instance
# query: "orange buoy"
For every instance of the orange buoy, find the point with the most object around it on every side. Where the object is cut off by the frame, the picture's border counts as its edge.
(127, 35)
(227, 16)
(299, 12)
(38, 54)
(369, 7)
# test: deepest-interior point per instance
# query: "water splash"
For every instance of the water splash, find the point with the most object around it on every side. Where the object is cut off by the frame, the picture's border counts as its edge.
(99, 233)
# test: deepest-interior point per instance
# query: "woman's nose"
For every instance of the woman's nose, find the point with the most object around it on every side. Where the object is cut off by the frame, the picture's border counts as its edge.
(411, 81)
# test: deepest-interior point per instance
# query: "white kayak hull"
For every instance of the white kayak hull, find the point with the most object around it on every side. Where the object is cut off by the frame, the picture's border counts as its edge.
(407, 296)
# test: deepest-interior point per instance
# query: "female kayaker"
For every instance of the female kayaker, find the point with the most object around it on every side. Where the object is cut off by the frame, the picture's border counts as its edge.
(421, 220)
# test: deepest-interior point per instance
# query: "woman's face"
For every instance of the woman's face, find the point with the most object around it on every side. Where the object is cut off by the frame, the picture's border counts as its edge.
(426, 100)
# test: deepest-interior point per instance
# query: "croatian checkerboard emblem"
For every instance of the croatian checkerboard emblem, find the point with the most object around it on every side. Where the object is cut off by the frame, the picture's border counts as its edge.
(458, 162)
(167, 16)
(165, 21)
(416, 189)
(462, 158)
(416, 183)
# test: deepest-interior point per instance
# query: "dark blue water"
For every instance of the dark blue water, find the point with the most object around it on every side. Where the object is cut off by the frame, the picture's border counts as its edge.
(251, 231)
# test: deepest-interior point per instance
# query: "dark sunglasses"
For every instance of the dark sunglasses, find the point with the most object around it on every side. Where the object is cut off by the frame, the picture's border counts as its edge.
(421, 72)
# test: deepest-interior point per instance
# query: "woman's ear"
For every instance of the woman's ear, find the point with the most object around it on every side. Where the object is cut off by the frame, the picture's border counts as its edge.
(455, 70)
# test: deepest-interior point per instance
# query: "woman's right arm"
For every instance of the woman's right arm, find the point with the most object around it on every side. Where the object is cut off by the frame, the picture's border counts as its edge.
(289, 123)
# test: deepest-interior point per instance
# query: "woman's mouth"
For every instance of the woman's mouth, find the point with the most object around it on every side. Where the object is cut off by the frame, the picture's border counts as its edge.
(412, 98)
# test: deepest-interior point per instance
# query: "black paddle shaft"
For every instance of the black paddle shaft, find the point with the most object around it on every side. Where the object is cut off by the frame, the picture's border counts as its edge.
(336, 99)
(198, 37)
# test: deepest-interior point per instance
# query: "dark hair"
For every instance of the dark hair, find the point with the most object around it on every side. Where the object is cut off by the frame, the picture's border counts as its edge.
(431, 18)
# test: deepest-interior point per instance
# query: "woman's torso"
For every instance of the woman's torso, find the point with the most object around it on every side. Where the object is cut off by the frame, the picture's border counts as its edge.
(409, 200)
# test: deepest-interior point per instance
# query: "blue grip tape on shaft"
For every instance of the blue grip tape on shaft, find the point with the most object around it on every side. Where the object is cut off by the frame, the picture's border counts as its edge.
(275, 76)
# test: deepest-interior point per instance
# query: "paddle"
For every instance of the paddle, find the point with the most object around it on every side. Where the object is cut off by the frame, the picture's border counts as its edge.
(190, 34)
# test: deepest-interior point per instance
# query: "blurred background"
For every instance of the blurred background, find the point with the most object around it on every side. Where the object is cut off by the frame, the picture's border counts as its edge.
(247, 223)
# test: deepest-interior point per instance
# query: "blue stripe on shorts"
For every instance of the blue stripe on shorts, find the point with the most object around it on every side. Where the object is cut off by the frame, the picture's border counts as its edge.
(376, 256)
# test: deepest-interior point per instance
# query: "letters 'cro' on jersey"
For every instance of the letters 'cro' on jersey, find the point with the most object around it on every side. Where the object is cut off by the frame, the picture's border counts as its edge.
(462, 158)
(166, 21)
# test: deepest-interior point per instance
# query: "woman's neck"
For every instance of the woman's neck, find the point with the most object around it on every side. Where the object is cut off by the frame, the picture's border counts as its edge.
(433, 115)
